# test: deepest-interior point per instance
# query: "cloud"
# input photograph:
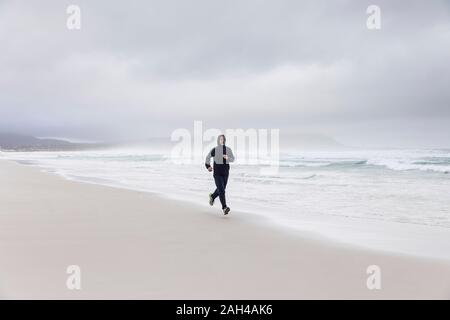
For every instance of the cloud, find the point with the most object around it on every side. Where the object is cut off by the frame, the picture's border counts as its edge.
(147, 67)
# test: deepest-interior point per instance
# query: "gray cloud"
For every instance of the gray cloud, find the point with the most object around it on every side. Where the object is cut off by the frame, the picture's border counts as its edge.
(144, 68)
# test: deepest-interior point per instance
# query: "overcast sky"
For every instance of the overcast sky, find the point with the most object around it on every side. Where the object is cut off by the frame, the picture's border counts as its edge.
(138, 69)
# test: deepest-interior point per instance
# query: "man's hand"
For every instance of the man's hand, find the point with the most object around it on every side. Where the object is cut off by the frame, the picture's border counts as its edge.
(225, 157)
(210, 169)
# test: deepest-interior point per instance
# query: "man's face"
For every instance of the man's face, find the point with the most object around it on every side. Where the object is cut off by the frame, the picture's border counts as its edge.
(221, 140)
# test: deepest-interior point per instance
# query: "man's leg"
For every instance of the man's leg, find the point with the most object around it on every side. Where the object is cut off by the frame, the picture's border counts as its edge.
(225, 181)
(215, 194)
(220, 183)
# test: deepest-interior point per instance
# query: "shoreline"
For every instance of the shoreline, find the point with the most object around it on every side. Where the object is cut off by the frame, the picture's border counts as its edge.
(133, 244)
(409, 239)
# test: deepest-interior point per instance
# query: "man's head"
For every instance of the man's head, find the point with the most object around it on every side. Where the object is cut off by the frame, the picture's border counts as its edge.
(221, 140)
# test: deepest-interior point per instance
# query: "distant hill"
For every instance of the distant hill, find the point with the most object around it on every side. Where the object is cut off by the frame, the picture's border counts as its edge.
(17, 142)
(288, 142)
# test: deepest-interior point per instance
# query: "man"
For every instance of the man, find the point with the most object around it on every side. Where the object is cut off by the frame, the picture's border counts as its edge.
(222, 156)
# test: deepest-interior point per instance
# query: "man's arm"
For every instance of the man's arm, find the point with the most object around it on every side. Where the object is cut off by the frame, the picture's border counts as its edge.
(230, 155)
(208, 159)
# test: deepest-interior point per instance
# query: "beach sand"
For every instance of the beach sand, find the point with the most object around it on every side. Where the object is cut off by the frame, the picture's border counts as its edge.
(135, 245)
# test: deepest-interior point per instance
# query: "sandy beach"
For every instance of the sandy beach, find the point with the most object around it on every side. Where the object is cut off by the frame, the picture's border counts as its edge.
(135, 245)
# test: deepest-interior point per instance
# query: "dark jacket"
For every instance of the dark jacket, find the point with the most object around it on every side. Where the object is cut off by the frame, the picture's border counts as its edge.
(221, 166)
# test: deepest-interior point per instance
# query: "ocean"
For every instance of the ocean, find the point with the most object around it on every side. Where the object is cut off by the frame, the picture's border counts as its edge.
(392, 200)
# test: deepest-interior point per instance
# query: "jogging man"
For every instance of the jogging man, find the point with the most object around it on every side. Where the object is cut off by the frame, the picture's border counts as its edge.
(222, 156)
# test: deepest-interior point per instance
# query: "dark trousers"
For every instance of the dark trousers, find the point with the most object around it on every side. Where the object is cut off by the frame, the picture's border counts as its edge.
(221, 184)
